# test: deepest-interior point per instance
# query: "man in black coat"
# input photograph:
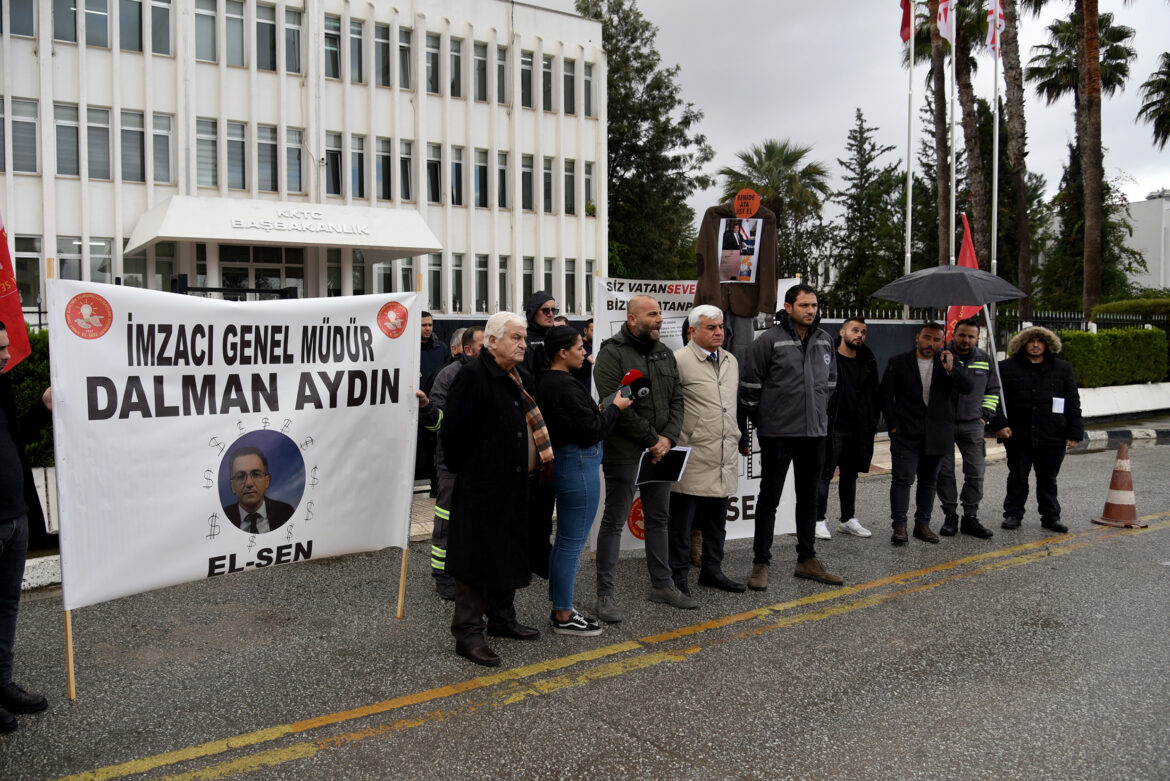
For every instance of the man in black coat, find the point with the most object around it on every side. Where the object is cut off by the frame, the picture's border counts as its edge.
(1043, 419)
(494, 440)
(919, 393)
(854, 409)
(19, 505)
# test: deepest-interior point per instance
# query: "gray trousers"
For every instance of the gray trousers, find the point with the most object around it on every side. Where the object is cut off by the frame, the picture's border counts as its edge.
(619, 496)
(973, 448)
(740, 333)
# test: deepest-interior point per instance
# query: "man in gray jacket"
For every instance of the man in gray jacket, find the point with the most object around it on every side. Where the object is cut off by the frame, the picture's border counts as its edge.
(975, 410)
(786, 380)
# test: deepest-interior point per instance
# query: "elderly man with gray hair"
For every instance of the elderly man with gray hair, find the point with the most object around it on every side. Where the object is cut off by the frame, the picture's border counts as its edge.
(496, 443)
(709, 376)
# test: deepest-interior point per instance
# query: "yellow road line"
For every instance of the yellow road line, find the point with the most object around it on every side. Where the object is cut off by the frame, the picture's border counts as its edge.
(1031, 551)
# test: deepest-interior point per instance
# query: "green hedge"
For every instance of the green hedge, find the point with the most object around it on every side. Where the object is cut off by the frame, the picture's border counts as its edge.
(29, 379)
(1116, 356)
(1157, 309)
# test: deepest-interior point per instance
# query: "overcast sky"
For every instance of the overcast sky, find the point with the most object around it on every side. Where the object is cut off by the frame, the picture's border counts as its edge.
(786, 69)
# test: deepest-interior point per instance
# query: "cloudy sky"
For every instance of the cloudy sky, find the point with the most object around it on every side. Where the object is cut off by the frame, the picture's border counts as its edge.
(786, 69)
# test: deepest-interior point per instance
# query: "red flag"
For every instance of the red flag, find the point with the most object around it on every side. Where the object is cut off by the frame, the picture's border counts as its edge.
(966, 258)
(907, 21)
(11, 312)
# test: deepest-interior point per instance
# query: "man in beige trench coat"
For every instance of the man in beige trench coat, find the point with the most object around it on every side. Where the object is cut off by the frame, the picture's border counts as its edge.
(709, 376)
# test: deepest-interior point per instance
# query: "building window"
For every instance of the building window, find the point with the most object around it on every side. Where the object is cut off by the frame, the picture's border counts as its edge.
(432, 59)
(267, 159)
(435, 282)
(161, 143)
(406, 275)
(206, 152)
(294, 143)
(570, 87)
(66, 125)
(22, 17)
(502, 289)
(28, 270)
(24, 135)
(456, 176)
(358, 272)
(405, 164)
(356, 32)
(65, 21)
(570, 298)
(588, 285)
(570, 187)
(292, 41)
(502, 180)
(265, 38)
(357, 164)
(480, 68)
(101, 260)
(526, 174)
(385, 164)
(590, 203)
(205, 48)
(382, 54)
(69, 257)
(526, 79)
(587, 90)
(481, 178)
(548, 275)
(332, 272)
(548, 185)
(404, 44)
(481, 283)
(97, 136)
(333, 163)
(457, 283)
(133, 146)
(526, 288)
(456, 46)
(233, 27)
(332, 47)
(546, 83)
(97, 23)
(160, 26)
(501, 74)
(130, 25)
(434, 175)
(164, 264)
(237, 141)
(133, 268)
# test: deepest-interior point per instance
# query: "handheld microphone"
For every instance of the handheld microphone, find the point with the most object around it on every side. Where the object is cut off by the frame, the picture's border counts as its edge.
(634, 385)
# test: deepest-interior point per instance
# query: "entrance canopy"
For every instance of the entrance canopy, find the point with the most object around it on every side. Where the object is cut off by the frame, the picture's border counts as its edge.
(396, 233)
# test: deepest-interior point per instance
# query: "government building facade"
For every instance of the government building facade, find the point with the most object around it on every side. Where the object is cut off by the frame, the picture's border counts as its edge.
(450, 147)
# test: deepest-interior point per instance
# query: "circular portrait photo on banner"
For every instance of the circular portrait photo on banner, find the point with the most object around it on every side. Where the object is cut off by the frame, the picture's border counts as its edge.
(261, 481)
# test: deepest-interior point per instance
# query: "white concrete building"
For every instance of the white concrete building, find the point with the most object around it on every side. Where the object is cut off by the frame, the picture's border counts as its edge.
(449, 146)
(1151, 237)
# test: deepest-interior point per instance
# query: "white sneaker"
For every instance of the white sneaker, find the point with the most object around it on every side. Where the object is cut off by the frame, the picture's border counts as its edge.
(823, 531)
(854, 527)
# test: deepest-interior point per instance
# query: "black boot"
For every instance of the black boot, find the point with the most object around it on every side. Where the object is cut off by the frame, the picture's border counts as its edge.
(950, 525)
(971, 525)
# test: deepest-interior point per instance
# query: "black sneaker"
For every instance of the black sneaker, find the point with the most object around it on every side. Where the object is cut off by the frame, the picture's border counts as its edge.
(575, 624)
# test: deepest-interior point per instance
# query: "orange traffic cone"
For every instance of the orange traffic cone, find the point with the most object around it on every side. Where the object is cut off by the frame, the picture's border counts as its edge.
(1120, 507)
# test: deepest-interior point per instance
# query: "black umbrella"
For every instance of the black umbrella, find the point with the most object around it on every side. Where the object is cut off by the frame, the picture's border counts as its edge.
(943, 286)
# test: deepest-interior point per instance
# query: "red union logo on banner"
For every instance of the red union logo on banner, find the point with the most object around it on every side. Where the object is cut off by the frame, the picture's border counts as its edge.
(88, 315)
(392, 319)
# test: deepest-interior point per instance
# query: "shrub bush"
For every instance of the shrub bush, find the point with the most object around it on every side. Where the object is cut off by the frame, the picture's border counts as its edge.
(1116, 356)
(1155, 310)
(29, 379)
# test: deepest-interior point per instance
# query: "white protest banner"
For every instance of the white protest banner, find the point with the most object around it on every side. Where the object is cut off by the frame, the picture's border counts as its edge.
(196, 437)
(677, 298)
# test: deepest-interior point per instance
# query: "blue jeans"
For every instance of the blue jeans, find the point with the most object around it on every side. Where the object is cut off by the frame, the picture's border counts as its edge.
(13, 547)
(577, 481)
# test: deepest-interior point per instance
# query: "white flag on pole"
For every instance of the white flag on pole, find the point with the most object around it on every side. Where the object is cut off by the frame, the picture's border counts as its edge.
(994, 25)
(946, 20)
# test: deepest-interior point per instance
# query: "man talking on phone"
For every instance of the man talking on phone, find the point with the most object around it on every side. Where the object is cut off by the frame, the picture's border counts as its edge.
(920, 392)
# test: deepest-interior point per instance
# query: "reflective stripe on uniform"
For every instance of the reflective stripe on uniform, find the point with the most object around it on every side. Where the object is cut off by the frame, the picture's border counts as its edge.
(438, 557)
(437, 423)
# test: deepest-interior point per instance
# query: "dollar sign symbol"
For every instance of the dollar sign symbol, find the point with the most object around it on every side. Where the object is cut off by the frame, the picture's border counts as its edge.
(309, 510)
(240, 426)
(214, 442)
(288, 534)
(307, 443)
(212, 526)
(313, 478)
(251, 543)
(264, 423)
(285, 427)
(207, 481)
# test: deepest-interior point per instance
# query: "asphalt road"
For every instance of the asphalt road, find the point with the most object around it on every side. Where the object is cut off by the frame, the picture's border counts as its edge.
(1027, 656)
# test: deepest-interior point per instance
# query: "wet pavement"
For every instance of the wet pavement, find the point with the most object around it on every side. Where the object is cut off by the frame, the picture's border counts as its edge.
(1026, 656)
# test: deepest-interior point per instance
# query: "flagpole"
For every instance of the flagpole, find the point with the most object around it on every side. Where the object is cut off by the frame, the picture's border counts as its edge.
(909, 153)
(954, 76)
(995, 151)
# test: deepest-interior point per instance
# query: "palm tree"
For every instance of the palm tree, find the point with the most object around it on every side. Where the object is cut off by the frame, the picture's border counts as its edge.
(1155, 108)
(942, 145)
(1013, 75)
